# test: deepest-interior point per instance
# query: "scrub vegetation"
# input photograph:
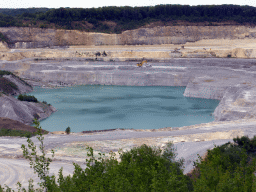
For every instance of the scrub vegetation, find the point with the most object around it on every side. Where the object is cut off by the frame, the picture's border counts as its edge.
(117, 19)
(67, 130)
(3, 38)
(229, 167)
(11, 132)
(28, 98)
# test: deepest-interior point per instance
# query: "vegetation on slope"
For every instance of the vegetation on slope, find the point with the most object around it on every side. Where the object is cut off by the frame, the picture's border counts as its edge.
(117, 19)
(7, 86)
(230, 167)
(3, 38)
(29, 98)
(11, 132)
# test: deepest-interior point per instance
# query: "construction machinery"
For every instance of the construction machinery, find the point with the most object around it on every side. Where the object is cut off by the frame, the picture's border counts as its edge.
(141, 63)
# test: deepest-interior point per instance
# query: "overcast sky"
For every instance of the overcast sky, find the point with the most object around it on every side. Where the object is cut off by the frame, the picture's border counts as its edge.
(101, 3)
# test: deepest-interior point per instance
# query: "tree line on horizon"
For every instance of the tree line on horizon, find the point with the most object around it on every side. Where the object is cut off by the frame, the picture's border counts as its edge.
(125, 17)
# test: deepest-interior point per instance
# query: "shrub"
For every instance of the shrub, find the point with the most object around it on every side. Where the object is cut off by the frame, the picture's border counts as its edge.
(245, 142)
(3, 38)
(44, 102)
(226, 168)
(28, 98)
(10, 132)
(67, 130)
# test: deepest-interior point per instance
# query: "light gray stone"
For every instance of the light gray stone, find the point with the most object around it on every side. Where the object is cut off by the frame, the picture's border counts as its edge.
(23, 111)
(238, 102)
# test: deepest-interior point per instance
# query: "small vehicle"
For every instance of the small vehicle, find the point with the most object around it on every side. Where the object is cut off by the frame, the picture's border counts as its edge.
(141, 63)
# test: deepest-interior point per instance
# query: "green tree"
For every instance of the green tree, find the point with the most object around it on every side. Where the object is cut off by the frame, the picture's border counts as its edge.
(39, 163)
(226, 168)
(67, 130)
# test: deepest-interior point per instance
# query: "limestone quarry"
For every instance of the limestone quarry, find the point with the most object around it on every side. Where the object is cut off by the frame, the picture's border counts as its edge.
(213, 62)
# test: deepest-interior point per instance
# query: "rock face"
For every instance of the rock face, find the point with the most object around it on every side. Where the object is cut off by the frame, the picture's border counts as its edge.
(238, 102)
(3, 46)
(23, 111)
(23, 87)
(226, 80)
(25, 37)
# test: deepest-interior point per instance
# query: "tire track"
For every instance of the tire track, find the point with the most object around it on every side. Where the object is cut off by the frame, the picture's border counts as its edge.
(18, 170)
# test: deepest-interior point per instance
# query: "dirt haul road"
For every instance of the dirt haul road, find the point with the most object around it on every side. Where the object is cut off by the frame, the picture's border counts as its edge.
(188, 141)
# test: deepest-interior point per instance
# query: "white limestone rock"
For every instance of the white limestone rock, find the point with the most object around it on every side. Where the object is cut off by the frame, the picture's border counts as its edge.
(238, 102)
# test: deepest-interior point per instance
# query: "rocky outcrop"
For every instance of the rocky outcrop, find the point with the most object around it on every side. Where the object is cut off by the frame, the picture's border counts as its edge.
(23, 87)
(238, 102)
(23, 111)
(26, 37)
(3, 46)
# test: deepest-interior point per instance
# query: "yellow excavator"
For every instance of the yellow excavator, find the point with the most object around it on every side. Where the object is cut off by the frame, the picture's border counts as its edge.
(141, 63)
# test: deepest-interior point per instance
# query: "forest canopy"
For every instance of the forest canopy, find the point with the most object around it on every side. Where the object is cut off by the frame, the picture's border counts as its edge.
(117, 19)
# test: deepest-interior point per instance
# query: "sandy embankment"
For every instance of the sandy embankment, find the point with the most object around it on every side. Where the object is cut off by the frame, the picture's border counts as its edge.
(237, 48)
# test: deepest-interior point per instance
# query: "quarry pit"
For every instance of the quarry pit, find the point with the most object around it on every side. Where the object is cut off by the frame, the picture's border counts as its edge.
(223, 69)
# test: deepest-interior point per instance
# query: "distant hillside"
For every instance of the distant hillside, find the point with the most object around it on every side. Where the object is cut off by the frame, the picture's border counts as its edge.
(118, 19)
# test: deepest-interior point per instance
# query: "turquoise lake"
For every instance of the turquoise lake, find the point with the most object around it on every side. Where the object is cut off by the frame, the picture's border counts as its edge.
(99, 107)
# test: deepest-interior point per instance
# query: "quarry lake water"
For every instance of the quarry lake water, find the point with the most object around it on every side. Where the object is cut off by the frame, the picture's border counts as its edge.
(99, 107)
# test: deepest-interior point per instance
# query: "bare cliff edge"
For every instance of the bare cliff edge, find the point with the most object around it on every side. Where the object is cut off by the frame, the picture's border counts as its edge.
(26, 37)
(22, 111)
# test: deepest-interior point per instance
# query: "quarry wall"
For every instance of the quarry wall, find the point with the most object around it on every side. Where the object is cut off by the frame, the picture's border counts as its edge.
(26, 37)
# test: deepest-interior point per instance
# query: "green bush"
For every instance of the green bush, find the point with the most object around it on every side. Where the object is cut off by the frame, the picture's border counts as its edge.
(2, 72)
(226, 168)
(248, 144)
(44, 102)
(67, 130)
(10, 132)
(3, 38)
(28, 98)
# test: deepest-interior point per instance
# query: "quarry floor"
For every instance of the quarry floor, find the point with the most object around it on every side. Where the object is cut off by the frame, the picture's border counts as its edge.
(189, 141)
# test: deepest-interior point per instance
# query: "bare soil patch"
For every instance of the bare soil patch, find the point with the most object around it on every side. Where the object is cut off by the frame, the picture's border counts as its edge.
(16, 125)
